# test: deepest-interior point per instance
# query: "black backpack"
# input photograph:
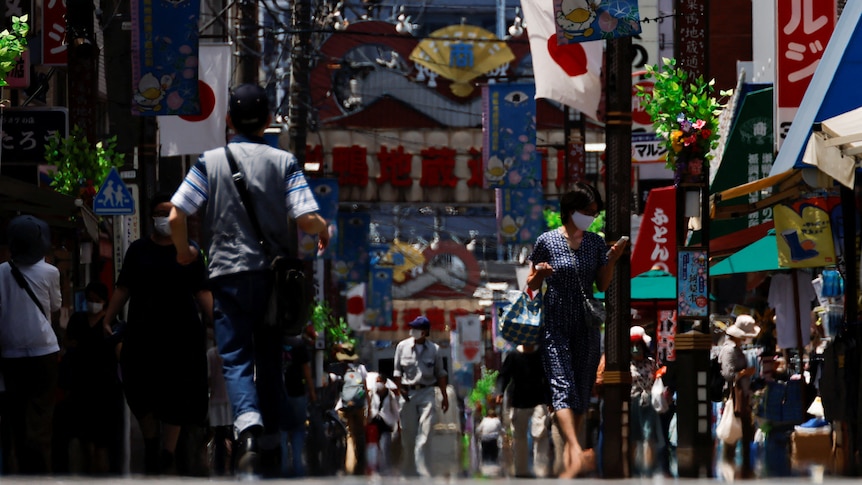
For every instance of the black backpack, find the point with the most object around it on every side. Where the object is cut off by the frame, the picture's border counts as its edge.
(715, 381)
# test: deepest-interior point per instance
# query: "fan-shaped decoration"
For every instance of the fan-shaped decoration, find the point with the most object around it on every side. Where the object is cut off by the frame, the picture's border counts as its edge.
(462, 53)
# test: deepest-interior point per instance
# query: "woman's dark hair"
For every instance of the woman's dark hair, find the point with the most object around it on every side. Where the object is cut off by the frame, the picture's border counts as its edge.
(579, 198)
(99, 289)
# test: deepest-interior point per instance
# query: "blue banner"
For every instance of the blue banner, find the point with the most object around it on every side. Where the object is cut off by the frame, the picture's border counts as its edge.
(378, 309)
(519, 215)
(509, 136)
(352, 248)
(326, 194)
(165, 57)
(587, 20)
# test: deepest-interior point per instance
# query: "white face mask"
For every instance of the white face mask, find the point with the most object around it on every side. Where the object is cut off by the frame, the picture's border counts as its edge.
(162, 225)
(380, 386)
(94, 307)
(583, 221)
(416, 333)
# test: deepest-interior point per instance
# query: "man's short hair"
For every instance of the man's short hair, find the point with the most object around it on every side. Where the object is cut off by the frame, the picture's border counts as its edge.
(248, 108)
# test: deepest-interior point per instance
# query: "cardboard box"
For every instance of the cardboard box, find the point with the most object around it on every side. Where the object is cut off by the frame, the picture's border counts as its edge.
(811, 449)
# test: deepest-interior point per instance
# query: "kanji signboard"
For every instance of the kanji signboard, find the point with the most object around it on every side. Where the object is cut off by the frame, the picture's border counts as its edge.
(25, 131)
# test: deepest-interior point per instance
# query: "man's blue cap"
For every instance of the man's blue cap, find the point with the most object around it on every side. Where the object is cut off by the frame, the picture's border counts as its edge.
(420, 322)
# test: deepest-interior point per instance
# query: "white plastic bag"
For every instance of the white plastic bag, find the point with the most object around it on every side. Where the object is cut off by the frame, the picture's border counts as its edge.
(658, 396)
(729, 429)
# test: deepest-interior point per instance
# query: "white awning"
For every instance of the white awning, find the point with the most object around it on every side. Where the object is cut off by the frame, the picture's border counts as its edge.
(837, 148)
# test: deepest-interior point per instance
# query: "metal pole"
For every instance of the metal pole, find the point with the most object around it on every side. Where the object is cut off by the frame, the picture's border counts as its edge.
(617, 376)
(299, 78)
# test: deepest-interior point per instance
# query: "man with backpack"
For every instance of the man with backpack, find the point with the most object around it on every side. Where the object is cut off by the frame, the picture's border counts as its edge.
(351, 407)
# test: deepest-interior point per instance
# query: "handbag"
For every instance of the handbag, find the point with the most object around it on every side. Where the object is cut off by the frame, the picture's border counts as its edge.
(729, 429)
(594, 311)
(521, 322)
(658, 396)
(289, 304)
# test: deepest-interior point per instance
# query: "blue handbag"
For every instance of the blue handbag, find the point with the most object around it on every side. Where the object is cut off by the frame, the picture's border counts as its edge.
(521, 322)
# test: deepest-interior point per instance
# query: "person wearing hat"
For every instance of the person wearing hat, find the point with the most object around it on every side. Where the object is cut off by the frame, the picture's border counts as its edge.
(737, 374)
(646, 430)
(239, 262)
(418, 370)
(29, 298)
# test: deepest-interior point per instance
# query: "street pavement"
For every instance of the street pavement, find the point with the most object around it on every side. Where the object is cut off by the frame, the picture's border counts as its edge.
(413, 481)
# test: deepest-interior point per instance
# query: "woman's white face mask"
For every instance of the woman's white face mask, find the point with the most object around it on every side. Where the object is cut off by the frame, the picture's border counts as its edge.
(581, 220)
(162, 225)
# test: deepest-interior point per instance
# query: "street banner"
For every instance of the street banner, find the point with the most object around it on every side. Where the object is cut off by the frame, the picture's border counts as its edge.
(325, 192)
(803, 29)
(586, 20)
(692, 287)
(352, 248)
(519, 215)
(656, 240)
(470, 331)
(378, 310)
(566, 73)
(165, 57)
(509, 136)
(197, 133)
(803, 232)
(356, 307)
(53, 33)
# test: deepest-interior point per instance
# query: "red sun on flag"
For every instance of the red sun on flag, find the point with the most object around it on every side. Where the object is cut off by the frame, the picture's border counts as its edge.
(571, 57)
(207, 100)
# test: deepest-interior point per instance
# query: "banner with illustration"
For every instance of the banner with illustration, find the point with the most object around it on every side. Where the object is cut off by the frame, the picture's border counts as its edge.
(803, 232)
(692, 288)
(588, 20)
(165, 57)
(378, 311)
(509, 136)
(325, 192)
(519, 215)
(352, 248)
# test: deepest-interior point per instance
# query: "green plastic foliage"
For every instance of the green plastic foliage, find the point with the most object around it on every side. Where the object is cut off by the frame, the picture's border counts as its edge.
(81, 167)
(334, 329)
(483, 389)
(12, 44)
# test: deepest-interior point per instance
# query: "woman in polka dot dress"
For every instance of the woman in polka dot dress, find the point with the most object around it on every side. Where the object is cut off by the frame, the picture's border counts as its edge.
(570, 347)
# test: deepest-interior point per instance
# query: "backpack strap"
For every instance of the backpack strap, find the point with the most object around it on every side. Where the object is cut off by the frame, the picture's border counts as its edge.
(245, 196)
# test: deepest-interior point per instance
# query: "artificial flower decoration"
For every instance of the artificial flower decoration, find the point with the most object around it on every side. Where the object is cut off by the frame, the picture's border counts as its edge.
(685, 116)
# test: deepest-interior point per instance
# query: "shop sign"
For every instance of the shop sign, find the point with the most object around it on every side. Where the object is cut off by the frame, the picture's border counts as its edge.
(26, 131)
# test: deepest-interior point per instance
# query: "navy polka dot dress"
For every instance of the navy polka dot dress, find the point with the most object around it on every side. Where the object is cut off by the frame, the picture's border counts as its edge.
(570, 348)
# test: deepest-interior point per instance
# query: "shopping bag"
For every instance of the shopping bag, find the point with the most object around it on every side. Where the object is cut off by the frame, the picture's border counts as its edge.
(729, 429)
(659, 396)
(522, 320)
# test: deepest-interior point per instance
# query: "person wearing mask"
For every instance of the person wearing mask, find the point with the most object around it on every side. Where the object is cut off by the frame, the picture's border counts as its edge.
(239, 263)
(163, 349)
(522, 381)
(737, 374)
(569, 260)
(29, 300)
(418, 370)
(94, 398)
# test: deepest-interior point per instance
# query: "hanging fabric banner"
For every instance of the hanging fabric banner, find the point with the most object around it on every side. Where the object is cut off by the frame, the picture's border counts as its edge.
(656, 240)
(804, 233)
(509, 136)
(519, 215)
(586, 20)
(378, 311)
(165, 57)
(691, 283)
(352, 248)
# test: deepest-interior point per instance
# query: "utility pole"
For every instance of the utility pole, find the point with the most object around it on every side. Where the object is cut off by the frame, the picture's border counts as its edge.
(248, 57)
(617, 376)
(297, 111)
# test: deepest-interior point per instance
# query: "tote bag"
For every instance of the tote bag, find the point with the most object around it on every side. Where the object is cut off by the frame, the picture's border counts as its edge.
(522, 320)
(729, 429)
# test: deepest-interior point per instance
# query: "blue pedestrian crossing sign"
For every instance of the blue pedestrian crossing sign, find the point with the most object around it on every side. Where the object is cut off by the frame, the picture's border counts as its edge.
(114, 197)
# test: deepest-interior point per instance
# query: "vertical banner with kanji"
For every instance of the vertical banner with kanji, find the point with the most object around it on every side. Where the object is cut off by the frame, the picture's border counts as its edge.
(165, 57)
(378, 310)
(666, 346)
(509, 136)
(326, 194)
(470, 331)
(519, 215)
(691, 47)
(586, 20)
(352, 248)
(693, 291)
(656, 240)
(53, 33)
(803, 29)
(803, 232)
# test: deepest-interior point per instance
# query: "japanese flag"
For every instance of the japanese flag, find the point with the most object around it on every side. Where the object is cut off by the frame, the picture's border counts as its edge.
(356, 307)
(194, 134)
(568, 73)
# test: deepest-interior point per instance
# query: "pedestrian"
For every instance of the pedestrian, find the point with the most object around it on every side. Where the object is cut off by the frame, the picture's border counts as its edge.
(352, 406)
(239, 262)
(523, 383)
(384, 415)
(163, 348)
(93, 397)
(299, 387)
(569, 260)
(488, 431)
(737, 374)
(418, 370)
(30, 300)
(646, 429)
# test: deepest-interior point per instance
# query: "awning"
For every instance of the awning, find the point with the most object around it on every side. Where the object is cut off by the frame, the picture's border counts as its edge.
(785, 185)
(761, 255)
(58, 210)
(836, 147)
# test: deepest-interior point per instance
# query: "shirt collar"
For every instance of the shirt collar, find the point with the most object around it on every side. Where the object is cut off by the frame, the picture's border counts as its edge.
(240, 138)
